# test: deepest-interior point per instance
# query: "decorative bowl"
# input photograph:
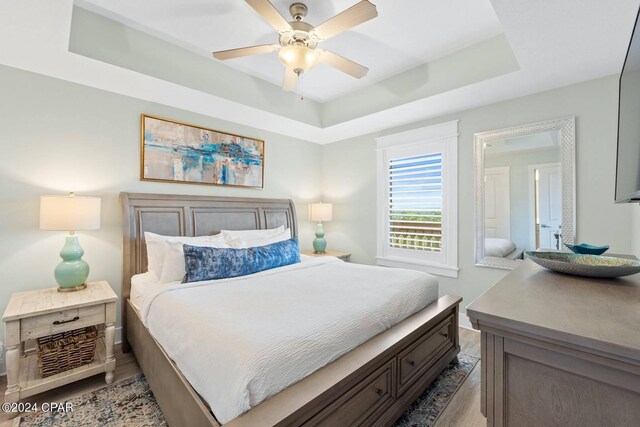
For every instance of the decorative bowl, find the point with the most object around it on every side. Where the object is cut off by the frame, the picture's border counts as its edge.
(587, 249)
(585, 265)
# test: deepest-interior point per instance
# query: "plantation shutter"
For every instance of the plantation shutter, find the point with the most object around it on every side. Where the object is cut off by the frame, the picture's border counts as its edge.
(415, 203)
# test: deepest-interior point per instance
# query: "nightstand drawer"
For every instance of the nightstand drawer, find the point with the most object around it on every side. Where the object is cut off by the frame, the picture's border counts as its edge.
(48, 324)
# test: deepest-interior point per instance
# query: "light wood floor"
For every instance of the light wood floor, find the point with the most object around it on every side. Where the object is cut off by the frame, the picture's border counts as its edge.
(463, 410)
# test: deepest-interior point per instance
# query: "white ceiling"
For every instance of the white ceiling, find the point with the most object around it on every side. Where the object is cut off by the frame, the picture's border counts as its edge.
(404, 35)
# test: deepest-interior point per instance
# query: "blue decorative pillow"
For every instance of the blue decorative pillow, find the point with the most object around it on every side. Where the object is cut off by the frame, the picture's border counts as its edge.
(207, 263)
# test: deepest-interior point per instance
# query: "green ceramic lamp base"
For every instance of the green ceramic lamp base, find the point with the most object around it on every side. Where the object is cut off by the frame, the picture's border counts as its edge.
(71, 274)
(319, 243)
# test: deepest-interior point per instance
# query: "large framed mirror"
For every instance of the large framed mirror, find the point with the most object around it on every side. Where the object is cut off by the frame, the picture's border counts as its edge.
(524, 191)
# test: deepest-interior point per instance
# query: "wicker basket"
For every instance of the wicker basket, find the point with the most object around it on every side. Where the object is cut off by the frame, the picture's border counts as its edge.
(61, 352)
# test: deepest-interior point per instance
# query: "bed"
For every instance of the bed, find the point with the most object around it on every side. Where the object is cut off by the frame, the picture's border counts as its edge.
(370, 384)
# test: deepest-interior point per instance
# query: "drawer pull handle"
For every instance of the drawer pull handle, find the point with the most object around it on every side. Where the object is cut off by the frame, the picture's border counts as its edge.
(444, 334)
(60, 322)
(411, 363)
(379, 392)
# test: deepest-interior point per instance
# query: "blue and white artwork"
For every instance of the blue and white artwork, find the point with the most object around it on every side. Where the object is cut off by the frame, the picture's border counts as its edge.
(178, 152)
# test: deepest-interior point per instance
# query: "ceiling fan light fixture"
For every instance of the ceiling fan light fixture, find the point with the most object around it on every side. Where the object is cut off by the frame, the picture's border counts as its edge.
(299, 58)
(298, 40)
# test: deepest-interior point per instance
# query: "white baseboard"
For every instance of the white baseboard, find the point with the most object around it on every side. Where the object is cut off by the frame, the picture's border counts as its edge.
(464, 322)
(118, 341)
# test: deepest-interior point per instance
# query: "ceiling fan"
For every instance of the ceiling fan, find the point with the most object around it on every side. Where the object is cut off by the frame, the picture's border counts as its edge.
(298, 48)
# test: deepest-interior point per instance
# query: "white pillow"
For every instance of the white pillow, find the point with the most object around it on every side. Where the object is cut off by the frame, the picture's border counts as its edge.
(155, 252)
(241, 243)
(173, 268)
(158, 245)
(252, 234)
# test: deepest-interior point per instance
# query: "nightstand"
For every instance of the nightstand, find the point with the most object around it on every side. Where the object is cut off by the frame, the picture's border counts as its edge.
(45, 312)
(345, 256)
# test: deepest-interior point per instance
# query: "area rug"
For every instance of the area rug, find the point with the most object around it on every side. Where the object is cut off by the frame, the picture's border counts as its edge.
(131, 403)
(429, 405)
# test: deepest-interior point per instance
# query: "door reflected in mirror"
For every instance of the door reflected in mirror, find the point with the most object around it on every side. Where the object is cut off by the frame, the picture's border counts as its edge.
(523, 195)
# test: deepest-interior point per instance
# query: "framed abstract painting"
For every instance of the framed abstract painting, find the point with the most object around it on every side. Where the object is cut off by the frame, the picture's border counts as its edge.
(183, 153)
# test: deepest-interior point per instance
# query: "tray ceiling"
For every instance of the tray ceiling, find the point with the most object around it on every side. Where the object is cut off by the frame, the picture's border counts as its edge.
(404, 35)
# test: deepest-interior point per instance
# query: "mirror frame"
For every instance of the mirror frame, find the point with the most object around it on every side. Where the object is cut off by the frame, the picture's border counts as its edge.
(566, 127)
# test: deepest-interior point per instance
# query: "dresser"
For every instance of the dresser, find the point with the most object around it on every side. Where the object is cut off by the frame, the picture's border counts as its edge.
(559, 350)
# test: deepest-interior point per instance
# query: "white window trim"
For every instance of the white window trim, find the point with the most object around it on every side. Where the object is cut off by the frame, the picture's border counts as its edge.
(443, 132)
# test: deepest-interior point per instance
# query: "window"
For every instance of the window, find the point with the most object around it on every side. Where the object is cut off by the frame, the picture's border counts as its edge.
(417, 199)
(415, 203)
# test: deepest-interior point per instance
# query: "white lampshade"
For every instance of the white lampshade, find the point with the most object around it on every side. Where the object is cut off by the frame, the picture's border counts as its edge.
(69, 213)
(320, 212)
(298, 57)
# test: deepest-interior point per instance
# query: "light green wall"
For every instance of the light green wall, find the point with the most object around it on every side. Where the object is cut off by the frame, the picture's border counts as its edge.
(58, 137)
(518, 164)
(635, 231)
(350, 177)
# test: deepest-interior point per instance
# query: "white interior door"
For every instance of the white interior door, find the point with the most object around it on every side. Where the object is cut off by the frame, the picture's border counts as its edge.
(549, 197)
(497, 207)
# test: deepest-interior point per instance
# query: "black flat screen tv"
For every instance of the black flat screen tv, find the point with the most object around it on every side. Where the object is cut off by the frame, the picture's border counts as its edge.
(628, 162)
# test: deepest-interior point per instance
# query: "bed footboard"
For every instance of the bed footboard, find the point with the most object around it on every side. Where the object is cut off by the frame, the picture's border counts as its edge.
(371, 385)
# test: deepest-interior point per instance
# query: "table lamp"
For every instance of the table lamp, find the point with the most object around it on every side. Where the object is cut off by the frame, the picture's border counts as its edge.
(320, 212)
(70, 213)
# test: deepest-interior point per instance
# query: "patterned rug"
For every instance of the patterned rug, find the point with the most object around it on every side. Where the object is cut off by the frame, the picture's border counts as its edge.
(131, 403)
(429, 405)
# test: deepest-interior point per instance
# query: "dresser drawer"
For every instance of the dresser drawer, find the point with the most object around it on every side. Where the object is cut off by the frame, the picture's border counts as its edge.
(416, 359)
(66, 320)
(362, 404)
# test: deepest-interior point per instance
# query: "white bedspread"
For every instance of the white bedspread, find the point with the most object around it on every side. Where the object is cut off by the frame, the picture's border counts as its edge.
(239, 341)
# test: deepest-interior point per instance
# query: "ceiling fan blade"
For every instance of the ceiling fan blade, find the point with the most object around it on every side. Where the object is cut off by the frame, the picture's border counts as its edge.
(270, 14)
(343, 64)
(290, 80)
(245, 51)
(355, 15)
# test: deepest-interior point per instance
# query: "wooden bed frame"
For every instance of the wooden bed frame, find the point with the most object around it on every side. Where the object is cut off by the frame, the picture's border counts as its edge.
(372, 385)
